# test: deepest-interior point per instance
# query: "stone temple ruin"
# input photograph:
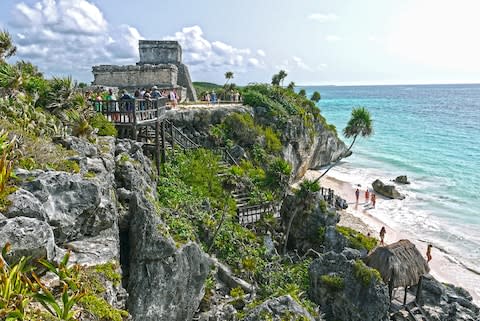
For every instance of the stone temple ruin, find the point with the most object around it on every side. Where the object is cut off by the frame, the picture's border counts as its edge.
(160, 65)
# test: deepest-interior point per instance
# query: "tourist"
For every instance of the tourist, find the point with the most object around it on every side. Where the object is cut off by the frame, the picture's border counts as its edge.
(136, 94)
(112, 105)
(173, 97)
(213, 98)
(429, 253)
(382, 235)
(142, 93)
(207, 98)
(156, 93)
(374, 199)
(357, 194)
(367, 196)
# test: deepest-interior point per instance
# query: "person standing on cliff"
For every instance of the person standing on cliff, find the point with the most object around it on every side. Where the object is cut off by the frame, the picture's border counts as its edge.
(383, 231)
(357, 195)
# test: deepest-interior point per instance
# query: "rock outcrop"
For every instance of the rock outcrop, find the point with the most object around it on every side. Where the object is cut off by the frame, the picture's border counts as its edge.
(309, 217)
(386, 190)
(305, 148)
(343, 294)
(165, 282)
(279, 309)
(445, 302)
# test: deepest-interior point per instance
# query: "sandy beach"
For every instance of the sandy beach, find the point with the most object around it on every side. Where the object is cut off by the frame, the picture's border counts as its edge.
(362, 217)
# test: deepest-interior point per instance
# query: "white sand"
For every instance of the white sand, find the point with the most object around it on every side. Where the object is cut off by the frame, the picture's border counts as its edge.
(361, 217)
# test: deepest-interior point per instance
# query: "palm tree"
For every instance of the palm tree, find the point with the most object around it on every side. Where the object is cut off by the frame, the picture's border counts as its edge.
(316, 97)
(275, 80)
(291, 86)
(7, 48)
(360, 124)
(228, 76)
(282, 75)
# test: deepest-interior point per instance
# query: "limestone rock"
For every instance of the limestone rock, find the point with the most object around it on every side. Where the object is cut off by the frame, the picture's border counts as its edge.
(237, 152)
(277, 309)
(74, 205)
(386, 190)
(25, 204)
(82, 146)
(308, 219)
(445, 302)
(220, 312)
(165, 282)
(355, 301)
(28, 237)
(225, 275)
(401, 179)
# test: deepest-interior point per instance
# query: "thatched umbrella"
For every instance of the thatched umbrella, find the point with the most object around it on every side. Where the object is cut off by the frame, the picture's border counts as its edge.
(400, 264)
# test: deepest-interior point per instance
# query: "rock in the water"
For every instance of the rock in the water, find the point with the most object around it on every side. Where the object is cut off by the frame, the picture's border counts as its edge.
(342, 295)
(166, 283)
(25, 204)
(28, 237)
(277, 309)
(401, 180)
(386, 190)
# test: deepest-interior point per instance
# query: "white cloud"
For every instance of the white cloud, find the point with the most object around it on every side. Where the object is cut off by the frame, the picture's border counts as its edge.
(323, 17)
(65, 36)
(299, 63)
(261, 53)
(321, 67)
(201, 53)
(372, 38)
(332, 38)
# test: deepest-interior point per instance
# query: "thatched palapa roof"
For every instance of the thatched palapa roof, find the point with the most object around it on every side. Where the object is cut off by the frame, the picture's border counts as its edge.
(402, 260)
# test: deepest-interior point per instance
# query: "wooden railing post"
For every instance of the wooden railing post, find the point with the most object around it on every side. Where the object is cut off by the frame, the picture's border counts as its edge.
(172, 139)
(163, 142)
(134, 123)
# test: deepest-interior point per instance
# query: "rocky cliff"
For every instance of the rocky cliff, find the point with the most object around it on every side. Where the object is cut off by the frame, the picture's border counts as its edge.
(304, 147)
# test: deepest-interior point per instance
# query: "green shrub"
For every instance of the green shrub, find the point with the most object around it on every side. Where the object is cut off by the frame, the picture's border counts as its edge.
(365, 274)
(272, 141)
(241, 128)
(105, 127)
(356, 239)
(101, 309)
(333, 283)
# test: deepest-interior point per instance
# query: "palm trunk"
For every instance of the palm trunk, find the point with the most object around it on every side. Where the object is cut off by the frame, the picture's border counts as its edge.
(288, 232)
(338, 160)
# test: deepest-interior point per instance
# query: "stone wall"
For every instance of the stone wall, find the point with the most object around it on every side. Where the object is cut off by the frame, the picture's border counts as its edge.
(185, 81)
(159, 52)
(138, 76)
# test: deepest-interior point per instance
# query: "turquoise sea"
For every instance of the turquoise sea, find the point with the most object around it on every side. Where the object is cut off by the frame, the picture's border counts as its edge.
(431, 133)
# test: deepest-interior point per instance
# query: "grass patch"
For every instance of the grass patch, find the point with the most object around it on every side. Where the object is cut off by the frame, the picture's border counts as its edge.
(365, 274)
(356, 239)
(333, 283)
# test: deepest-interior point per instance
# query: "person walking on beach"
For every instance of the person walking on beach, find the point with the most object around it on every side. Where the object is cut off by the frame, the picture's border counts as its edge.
(357, 194)
(429, 253)
(382, 235)
(374, 199)
(367, 196)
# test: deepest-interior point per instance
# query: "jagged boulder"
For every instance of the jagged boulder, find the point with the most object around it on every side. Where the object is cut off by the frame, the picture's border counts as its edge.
(73, 204)
(24, 203)
(347, 289)
(445, 302)
(165, 282)
(310, 218)
(402, 179)
(279, 309)
(82, 146)
(28, 237)
(386, 190)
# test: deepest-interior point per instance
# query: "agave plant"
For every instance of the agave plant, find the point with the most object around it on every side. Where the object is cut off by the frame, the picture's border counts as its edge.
(71, 292)
(16, 289)
(6, 162)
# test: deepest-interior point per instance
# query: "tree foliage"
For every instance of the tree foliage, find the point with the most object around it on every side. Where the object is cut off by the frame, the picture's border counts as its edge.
(315, 97)
(7, 48)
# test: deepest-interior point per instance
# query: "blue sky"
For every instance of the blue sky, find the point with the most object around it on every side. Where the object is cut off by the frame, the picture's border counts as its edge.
(316, 41)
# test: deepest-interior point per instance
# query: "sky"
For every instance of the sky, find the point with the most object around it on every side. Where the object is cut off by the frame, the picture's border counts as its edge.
(318, 42)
